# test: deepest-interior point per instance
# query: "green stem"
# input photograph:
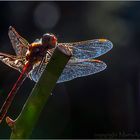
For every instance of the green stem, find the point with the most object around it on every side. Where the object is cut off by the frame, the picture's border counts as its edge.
(23, 126)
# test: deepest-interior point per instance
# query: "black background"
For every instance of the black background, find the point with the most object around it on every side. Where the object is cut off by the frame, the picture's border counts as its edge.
(104, 105)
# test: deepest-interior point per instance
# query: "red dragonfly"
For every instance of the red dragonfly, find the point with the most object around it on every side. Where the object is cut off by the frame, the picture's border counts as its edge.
(31, 59)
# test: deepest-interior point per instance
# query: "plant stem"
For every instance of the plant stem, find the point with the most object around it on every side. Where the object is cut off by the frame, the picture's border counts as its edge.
(23, 126)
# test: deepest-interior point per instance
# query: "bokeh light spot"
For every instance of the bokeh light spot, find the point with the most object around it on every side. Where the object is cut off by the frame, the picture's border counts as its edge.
(46, 15)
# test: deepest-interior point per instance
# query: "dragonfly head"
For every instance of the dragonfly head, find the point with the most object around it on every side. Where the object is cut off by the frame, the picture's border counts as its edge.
(49, 40)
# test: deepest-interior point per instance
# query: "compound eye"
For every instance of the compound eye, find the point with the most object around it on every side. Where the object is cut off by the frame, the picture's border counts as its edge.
(53, 40)
(49, 40)
(46, 39)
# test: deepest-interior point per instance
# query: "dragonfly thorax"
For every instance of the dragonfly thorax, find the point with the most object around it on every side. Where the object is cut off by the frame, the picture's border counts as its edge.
(38, 50)
(35, 53)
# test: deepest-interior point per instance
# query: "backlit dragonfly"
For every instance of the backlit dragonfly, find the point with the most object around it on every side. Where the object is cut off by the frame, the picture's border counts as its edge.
(31, 59)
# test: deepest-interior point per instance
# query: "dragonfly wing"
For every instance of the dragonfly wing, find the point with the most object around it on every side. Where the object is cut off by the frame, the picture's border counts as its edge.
(79, 68)
(38, 68)
(90, 48)
(35, 74)
(19, 44)
(11, 61)
(74, 69)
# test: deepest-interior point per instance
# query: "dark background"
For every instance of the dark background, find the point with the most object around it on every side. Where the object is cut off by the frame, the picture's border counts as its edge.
(104, 105)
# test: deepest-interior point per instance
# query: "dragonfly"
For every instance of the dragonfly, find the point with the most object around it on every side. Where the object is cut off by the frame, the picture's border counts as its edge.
(32, 58)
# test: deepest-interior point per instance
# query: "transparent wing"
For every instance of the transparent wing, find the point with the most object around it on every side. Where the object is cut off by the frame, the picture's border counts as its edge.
(19, 44)
(75, 68)
(90, 48)
(79, 68)
(38, 68)
(35, 74)
(11, 61)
